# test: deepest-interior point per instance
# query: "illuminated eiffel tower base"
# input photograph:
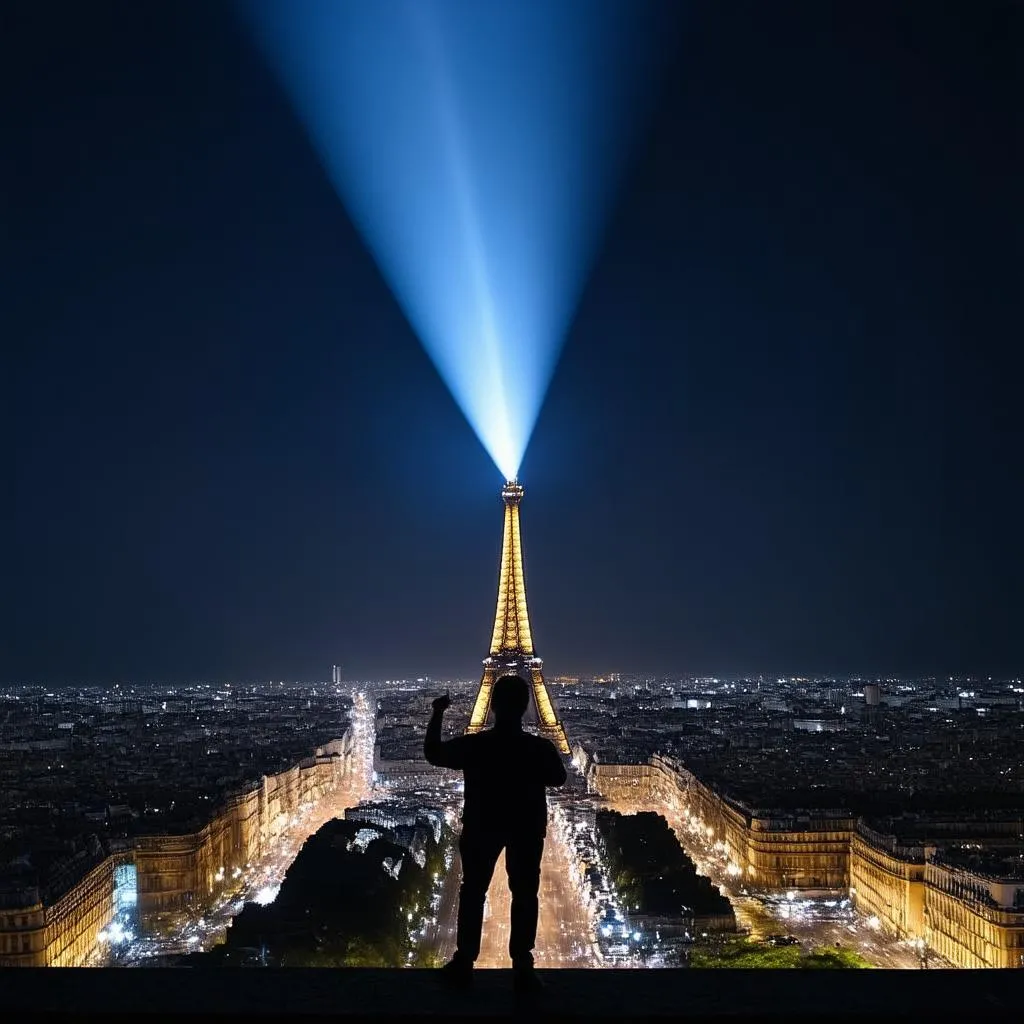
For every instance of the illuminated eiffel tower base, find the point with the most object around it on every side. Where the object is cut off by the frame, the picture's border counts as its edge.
(511, 650)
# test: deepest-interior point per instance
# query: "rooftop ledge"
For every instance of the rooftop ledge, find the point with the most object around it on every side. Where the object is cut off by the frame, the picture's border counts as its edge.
(377, 994)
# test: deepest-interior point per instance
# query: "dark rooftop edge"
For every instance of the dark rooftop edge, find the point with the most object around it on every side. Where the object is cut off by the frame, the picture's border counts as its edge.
(380, 994)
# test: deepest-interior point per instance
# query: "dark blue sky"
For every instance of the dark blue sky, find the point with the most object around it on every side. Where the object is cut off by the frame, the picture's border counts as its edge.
(784, 435)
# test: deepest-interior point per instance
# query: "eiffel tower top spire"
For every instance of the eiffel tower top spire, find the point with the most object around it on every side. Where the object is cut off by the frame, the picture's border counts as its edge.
(511, 634)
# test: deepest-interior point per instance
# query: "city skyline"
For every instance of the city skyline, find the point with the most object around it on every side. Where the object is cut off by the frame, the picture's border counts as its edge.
(780, 437)
(806, 815)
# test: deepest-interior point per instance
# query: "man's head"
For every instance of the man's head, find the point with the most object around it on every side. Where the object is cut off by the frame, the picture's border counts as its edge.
(509, 699)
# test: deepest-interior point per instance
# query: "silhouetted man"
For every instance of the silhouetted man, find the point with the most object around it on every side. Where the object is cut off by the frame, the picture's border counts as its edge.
(506, 772)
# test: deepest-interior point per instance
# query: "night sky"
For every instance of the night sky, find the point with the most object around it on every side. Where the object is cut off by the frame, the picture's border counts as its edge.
(784, 435)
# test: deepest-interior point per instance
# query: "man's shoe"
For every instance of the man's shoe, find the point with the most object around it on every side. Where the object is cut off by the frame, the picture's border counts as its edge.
(457, 974)
(525, 980)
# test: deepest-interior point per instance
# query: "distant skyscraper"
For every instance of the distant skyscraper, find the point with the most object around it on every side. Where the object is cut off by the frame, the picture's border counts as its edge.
(872, 694)
(511, 649)
(336, 675)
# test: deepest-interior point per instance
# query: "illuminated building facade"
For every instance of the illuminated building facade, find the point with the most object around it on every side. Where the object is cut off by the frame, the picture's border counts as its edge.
(512, 651)
(37, 930)
(773, 850)
(182, 873)
(175, 874)
(887, 881)
(962, 900)
(974, 917)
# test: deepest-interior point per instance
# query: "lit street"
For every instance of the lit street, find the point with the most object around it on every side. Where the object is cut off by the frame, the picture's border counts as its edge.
(851, 930)
(262, 881)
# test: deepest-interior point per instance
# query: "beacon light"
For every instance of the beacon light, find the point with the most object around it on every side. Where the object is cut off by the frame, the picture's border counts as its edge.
(476, 145)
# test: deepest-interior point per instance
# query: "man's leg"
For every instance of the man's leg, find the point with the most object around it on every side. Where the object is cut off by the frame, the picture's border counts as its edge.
(479, 855)
(522, 859)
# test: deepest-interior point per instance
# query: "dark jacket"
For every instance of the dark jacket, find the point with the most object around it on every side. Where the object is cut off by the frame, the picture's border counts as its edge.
(506, 773)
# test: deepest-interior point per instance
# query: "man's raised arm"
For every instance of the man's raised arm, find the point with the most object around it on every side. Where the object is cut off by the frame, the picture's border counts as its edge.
(437, 752)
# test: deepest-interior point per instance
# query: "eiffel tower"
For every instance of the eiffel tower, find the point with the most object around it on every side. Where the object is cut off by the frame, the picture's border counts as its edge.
(511, 650)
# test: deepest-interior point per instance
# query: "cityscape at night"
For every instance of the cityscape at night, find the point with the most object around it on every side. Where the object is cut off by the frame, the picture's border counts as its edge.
(707, 821)
(876, 817)
(573, 438)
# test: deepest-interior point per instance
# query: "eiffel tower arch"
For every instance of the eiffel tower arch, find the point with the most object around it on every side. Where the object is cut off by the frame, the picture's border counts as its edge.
(511, 651)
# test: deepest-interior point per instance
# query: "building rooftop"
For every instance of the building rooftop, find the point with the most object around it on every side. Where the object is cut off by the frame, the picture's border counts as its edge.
(1000, 865)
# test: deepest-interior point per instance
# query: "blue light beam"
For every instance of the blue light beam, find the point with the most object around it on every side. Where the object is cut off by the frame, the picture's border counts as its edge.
(477, 146)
